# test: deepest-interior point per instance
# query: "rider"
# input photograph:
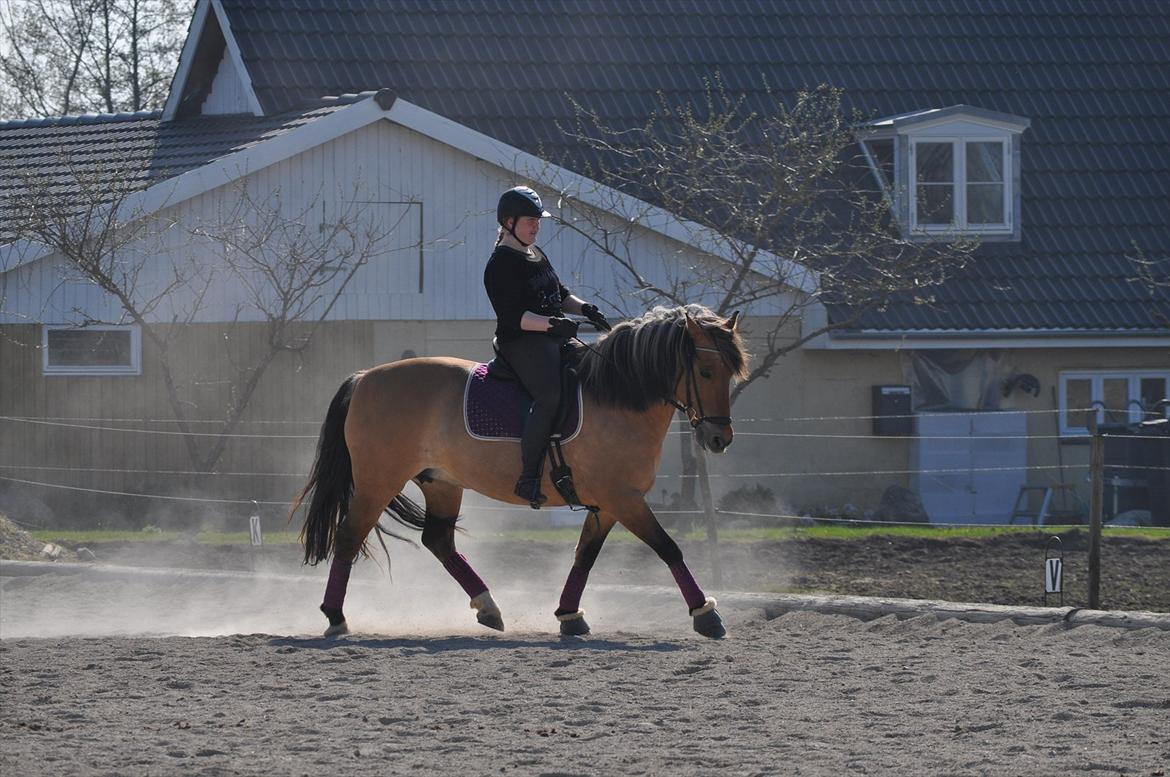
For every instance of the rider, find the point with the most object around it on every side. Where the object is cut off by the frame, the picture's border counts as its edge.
(529, 301)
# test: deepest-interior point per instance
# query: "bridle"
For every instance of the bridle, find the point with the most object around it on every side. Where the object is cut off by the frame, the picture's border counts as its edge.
(696, 416)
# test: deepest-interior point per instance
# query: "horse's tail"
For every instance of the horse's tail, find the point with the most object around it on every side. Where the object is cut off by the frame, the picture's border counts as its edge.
(330, 481)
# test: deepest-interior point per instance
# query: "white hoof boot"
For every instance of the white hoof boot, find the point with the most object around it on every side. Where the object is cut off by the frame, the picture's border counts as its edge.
(487, 612)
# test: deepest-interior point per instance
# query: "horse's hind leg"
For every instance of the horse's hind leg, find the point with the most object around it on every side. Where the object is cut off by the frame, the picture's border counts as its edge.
(443, 501)
(365, 508)
(636, 515)
(569, 612)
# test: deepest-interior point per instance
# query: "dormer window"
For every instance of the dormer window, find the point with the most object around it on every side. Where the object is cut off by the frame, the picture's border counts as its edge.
(959, 185)
(949, 172)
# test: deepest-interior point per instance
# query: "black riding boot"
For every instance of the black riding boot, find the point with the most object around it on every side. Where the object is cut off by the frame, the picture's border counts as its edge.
(536, 359)
(528, 489)
(533, 444)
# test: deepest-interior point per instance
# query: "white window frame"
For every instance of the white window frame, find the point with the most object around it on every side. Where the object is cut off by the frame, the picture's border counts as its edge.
(959, 181)
(133, 368)
(1097, 393)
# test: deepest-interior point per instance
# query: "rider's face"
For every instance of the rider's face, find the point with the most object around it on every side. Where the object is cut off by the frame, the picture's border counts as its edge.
(527, 228)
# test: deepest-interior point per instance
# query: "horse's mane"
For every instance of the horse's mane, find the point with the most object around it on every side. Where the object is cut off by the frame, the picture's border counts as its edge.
(637, 364)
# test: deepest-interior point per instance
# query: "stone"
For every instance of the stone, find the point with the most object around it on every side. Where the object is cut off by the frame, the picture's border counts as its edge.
(901, 504)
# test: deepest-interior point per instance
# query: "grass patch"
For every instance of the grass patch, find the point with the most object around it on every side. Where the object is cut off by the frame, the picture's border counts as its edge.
(104, 535)
(94, 536)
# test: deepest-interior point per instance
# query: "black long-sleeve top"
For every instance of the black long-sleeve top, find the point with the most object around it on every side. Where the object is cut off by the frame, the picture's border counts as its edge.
(517, 283)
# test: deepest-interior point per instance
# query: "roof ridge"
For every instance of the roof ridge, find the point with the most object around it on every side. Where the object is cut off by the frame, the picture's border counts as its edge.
(80, 118)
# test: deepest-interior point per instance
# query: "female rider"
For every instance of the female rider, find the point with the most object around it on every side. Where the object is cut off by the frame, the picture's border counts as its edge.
(529, 301)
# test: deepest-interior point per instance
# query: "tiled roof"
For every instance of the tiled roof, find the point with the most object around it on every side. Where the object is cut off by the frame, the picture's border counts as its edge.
(63, 154)
(1093, 78)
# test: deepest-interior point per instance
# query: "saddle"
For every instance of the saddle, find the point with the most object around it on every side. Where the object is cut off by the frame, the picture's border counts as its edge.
(495, 405)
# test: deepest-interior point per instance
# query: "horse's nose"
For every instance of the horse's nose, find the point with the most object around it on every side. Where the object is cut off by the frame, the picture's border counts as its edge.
(720, 440)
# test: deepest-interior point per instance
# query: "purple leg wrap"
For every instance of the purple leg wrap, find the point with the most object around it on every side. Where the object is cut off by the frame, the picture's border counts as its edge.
(574, 587)
(457, 565)
(338, 581)
(686, 583)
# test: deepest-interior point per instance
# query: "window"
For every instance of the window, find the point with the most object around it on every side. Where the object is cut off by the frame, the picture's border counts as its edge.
(1115, 397)
(949, 172)
(91, 350)
(960, 184)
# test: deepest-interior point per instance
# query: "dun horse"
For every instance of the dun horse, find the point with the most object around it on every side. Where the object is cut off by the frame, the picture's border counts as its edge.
(404, 421)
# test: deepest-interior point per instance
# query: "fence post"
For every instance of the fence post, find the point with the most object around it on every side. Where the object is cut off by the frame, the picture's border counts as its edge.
(712, 523)
(1096, 499)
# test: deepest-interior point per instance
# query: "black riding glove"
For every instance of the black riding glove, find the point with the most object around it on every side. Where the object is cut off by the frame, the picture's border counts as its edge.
(591, 312)
(562, 327)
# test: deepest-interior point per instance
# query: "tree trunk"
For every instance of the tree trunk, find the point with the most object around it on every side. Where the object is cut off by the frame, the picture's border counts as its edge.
(709, 513)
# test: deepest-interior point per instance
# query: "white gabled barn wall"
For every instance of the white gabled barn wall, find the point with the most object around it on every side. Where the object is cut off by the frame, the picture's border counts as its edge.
(228, 93)
(401, 178)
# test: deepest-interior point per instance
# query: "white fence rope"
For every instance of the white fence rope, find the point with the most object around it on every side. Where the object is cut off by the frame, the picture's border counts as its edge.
(158, 431)
(74, 423)
(808, 435)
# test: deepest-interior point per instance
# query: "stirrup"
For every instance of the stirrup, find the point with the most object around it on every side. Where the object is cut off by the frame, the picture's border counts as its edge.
(528, 489)
(562, 478)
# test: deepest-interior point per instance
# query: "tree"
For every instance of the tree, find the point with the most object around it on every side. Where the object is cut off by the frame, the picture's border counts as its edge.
(287, 265)
(1152, 276)
(71, 56)
(782, 200)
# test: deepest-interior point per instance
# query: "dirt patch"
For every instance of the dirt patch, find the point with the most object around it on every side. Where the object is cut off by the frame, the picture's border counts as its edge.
(1008, 569)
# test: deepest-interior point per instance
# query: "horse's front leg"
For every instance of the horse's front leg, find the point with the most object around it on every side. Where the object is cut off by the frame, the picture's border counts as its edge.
(569, 612)
(637, 516)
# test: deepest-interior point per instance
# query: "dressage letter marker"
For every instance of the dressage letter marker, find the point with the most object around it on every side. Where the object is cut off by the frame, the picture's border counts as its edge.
(254, 527)
(1053, 572)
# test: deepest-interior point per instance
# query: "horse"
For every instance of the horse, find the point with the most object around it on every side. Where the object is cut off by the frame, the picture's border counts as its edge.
(403, 422)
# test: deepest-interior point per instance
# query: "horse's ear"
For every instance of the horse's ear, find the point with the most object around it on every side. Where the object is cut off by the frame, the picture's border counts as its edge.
(732, 322)
(693, 329)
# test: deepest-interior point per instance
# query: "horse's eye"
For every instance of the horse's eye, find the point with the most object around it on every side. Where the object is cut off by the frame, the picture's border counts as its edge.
(706, 373)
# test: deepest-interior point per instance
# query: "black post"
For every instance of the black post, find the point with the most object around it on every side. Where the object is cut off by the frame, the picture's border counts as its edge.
(1096, 499)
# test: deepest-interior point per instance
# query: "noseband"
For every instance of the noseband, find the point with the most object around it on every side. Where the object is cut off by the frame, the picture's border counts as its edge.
(696, 417)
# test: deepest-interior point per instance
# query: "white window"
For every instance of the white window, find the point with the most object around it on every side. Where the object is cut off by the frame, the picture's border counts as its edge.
(960, 185)
(91, 350)
(949, 172)
(1117, 397)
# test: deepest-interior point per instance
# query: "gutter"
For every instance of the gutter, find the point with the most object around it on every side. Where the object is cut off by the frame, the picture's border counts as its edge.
(1030, 338)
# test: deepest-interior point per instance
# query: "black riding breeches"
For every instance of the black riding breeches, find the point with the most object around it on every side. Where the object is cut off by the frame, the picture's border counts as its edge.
(536, 358)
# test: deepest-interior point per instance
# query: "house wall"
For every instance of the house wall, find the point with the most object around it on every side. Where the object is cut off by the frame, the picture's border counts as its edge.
(772, 447)
(442, 199)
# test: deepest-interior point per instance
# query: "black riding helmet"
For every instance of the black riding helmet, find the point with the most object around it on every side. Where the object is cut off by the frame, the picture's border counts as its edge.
(516, 202)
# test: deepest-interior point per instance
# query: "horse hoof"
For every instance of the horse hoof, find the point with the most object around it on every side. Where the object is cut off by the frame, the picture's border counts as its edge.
(707, 620)
(487, 611)
(337, 630)
(573, 624)
(710, 625)
(490, 619)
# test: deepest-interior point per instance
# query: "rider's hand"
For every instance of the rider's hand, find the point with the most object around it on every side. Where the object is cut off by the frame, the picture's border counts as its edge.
(591, 312)
(562, 327)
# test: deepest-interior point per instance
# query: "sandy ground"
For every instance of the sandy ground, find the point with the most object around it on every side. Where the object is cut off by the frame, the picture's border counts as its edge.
(213, 673)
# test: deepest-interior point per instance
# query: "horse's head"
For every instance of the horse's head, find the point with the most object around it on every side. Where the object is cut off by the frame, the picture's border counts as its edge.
(704, 388)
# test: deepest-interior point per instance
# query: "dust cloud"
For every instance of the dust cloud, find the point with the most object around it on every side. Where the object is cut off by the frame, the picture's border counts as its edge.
(272, 593)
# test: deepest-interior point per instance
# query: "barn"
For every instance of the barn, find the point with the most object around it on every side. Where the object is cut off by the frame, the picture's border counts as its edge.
(371, 139)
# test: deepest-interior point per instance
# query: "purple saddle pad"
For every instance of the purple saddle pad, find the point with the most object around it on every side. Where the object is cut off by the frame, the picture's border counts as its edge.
(496, 409)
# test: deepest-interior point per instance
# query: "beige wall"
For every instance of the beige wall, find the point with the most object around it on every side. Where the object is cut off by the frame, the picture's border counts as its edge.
(297, 389)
